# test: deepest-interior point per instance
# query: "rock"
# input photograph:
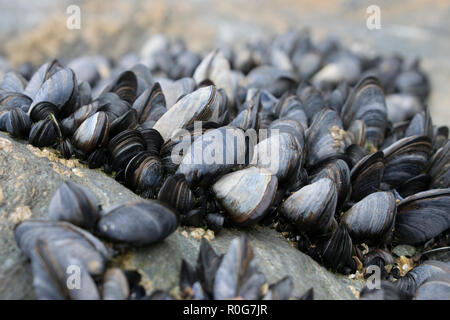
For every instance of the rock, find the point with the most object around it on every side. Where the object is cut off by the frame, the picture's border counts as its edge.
(28, 178)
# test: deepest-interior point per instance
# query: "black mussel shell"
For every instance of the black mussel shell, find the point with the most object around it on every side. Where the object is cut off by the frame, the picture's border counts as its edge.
(214, 221)
(42, 110)
(126, 121)
(80, 244)
(439, 168)
(98, 158)
(150, 105)
(435, 288)
(176, 193)
(44, 133)
(406, 159)
(138, 222)
(372, 218)
(338, 171)
(420, 274)
(366, 175)
(75, 204)
(247, 194)
(336, 252)
(153, 140)
(52, 269)
(66, 148)
(237, 274)
(280, 154)
(125, 146)
(217, 152)
(311, 209)
(325, 137)
(423, 216)
(18, 123)
(366, 102)
(144, 173)
(92, 133)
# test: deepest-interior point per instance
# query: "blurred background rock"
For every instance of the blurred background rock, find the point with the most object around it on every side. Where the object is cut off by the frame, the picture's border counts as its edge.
(36, 30)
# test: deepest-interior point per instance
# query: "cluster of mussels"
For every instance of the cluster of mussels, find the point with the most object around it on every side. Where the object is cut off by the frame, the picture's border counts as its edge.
(64, 247)
(359, 162)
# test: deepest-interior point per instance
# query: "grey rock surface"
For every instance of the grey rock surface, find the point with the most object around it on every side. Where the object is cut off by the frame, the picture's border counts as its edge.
(28, 178)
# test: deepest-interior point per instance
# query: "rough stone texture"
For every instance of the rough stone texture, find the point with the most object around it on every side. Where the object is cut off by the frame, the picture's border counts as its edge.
(29, 177)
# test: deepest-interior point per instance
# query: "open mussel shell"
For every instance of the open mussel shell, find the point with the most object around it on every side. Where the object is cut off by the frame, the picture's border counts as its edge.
(406, 159)
(338, 171)
(44, 133)
(325, 137)
(366, 102)
(311, 209)
(215, 153)
(246, 194)
(92, 133)
(435, 288)
(200, 105)
(423, 216)
(115, 285)
(337, 251)
(280, 154)
(52, 270)
(144, 173)
(176, 193)
(366, 175)
(372, 218)
(125, 146)
(74, 241)
(18, 123)
(75, 204)
(420, 274)
(138, 222)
